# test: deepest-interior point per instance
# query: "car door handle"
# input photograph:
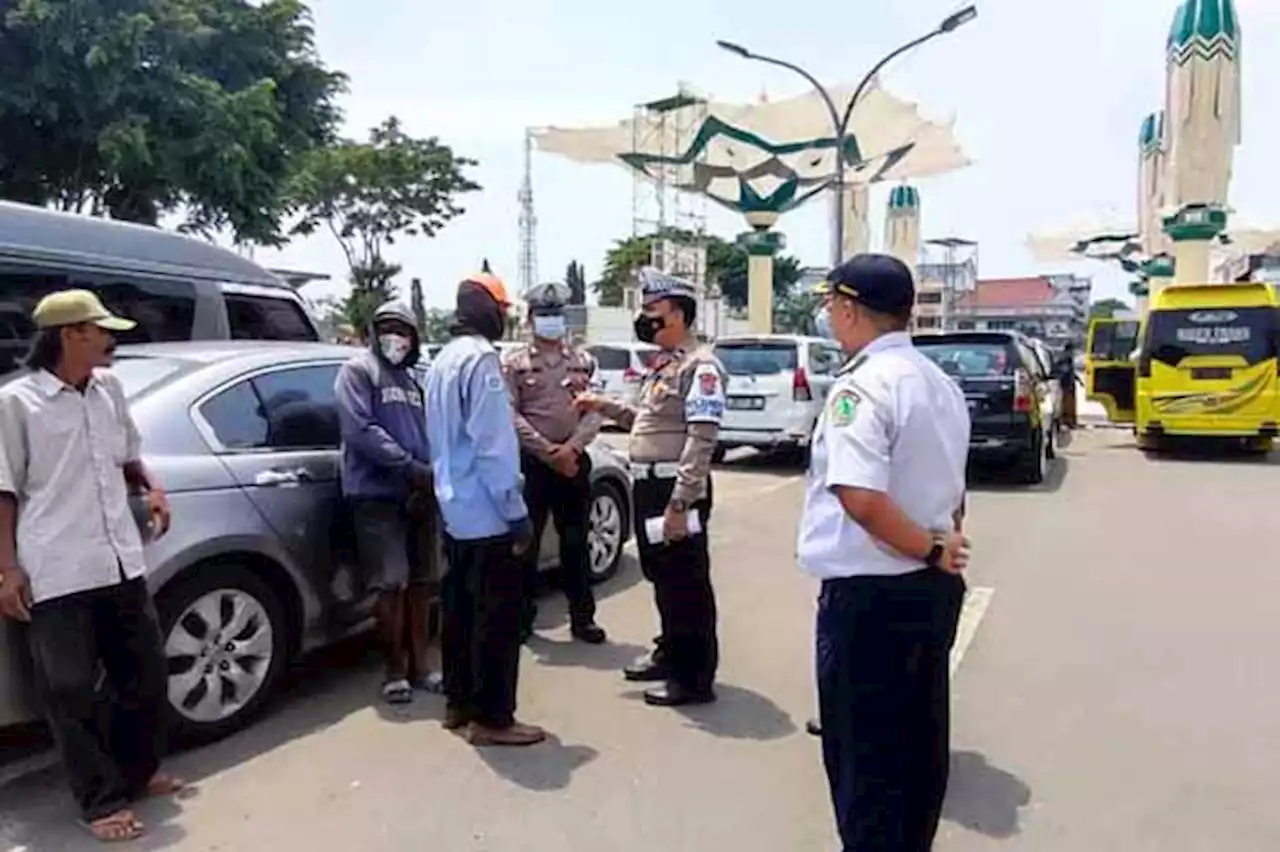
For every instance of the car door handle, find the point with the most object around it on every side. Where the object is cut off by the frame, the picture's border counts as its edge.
(278, 476)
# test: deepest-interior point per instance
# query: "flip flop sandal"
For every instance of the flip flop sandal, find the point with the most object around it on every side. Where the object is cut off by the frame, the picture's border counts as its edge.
(117, 828)
(431, 682)
(397, 692)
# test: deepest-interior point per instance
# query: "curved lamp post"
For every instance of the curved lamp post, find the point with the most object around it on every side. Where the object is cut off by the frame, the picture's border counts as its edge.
(840, 121)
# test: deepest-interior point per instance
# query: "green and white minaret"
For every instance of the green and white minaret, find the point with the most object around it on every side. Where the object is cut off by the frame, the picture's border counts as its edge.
(902, 225)
(1201, 130)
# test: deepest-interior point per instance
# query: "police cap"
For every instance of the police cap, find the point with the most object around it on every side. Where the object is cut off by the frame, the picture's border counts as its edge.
(655, 286)
(549, 297)
(879, 282)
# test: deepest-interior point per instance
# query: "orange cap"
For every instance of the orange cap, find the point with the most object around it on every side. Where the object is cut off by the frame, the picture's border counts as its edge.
(493, 284)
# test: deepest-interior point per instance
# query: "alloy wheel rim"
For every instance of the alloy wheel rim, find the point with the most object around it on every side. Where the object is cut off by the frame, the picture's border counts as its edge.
(219, 651)
(605, 536)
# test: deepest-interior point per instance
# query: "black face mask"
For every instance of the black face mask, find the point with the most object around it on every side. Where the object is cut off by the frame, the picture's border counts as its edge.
(647, 327)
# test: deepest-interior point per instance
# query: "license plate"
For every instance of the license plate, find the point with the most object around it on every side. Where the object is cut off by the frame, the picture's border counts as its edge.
(1211, 373)
(745, 403)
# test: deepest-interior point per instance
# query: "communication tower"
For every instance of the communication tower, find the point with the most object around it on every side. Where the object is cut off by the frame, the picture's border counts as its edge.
(950, 265)
(665, 128)
(528, 273)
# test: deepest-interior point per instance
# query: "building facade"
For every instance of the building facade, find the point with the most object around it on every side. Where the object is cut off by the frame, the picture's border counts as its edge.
(1053, 308)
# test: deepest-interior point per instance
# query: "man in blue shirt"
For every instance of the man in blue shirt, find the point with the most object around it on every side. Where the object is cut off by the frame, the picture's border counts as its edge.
(475, 459)
(386, 478)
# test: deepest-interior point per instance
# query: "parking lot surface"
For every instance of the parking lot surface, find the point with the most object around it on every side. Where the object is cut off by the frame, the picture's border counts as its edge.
(1112, 691)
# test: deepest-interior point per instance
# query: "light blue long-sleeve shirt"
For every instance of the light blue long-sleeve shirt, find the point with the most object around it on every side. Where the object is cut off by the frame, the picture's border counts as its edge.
(475, 454)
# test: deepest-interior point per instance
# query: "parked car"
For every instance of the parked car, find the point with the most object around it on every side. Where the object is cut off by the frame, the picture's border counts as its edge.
(260, 556)
(1052, 398)
(620, 367)
(777, 384)
(175, 287)
(1005, 386)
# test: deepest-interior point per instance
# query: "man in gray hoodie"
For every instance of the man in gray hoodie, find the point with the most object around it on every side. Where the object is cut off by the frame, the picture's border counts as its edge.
(386, 477)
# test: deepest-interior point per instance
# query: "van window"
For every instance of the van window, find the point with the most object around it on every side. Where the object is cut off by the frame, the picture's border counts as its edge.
(164, 310)
(611, 358)
(969, 359)
(758, 357)
(824, 358)
(267, 318)
(1246, 332)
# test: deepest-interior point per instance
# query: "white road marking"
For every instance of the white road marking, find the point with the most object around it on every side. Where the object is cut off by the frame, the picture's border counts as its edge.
(976, 601)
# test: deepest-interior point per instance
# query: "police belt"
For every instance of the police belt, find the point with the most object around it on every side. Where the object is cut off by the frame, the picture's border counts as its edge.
(654, 470)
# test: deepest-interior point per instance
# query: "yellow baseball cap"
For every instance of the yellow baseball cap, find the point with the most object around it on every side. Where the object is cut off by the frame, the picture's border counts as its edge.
(72, 307)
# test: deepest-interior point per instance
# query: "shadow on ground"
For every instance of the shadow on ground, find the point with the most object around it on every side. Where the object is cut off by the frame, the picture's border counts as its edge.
(984, 798)
(738, 714)
(544, 768)
(993, 478)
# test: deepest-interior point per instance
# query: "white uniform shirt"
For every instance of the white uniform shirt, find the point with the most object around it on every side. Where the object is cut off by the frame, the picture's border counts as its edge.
(895, 423)
(61, 456)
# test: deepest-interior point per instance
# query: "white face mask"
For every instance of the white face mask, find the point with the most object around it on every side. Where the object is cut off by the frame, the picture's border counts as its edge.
(549, 327)
(394, 347)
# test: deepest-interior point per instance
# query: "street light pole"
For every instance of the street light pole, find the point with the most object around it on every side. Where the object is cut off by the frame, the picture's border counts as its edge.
(840, 123)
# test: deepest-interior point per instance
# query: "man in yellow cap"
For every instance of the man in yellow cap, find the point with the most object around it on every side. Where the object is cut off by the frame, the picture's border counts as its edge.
(71, 562)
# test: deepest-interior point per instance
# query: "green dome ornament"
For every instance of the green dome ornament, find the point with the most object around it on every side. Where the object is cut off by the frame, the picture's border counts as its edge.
(904, 197)
(1205, 26)
(1151, 136)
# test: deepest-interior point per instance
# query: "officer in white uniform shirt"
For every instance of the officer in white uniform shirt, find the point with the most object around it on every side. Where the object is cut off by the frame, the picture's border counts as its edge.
(884, 500)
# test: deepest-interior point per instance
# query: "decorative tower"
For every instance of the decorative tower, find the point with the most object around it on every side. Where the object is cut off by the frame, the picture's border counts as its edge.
(1202, 129)
(902, 226)
(1157, 271)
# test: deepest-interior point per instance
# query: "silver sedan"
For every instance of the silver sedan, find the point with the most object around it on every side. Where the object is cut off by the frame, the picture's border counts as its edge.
(259, 565)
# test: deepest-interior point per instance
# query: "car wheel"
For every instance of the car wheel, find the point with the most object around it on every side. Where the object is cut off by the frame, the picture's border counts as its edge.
(226, 642)
(1034, 464)
(606, 531)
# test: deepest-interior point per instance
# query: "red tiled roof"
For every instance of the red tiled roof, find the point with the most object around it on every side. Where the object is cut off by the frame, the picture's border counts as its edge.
(1008, 293)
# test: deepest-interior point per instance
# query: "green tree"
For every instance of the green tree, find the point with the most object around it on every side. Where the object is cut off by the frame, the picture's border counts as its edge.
(794, 310)
(371, 194)
(436, 325)
(139, 108)
(726, 265)
(1107, 308)
(576, 280)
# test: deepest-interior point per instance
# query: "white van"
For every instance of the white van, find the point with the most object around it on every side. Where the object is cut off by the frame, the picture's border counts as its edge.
(620, 367)
(777, 384)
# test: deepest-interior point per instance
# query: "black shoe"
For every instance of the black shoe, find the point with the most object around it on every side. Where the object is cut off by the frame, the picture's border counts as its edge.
(589, 632)
(813, 728)
(672, 694)
(645, 670)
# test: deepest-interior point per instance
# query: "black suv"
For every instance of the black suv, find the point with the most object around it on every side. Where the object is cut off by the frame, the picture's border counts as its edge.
(1006, 386)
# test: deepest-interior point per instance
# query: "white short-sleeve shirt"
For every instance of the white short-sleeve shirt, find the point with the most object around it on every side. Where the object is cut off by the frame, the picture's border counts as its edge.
(62, 454)
(895, 423)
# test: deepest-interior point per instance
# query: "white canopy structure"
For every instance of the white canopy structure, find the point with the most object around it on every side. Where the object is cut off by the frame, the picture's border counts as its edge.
(767, 157)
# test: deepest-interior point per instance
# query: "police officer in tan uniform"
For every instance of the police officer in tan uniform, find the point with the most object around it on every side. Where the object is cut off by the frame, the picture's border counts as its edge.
(543, 377)
(673, 435)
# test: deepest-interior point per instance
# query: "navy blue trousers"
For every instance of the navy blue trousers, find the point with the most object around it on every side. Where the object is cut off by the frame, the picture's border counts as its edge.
(883, 653)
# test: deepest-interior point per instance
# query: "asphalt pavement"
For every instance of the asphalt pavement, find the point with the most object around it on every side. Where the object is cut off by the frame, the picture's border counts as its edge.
(1111, 693)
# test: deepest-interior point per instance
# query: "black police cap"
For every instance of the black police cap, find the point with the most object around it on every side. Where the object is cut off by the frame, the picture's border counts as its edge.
(879, 282)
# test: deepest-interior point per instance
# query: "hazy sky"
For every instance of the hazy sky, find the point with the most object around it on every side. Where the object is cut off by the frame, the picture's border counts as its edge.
(1049, 95)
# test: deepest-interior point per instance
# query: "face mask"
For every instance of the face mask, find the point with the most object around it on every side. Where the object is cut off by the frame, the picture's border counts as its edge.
(394, 347)
(647, 327)
(549, 327)
(822, 323)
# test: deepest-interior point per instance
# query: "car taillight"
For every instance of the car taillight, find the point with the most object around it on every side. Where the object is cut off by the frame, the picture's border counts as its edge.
(631, 376)
(1021, 391)
(800, 390)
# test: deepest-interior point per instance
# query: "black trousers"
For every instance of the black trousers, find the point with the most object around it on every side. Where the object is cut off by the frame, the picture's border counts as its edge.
(566, 501)
(99, 659)
(680, 572)
(883, 658)
(481, 597)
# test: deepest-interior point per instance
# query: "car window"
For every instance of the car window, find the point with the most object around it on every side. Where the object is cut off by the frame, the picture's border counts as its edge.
(293, 408)
(1031, 359)
(969, 359)
(164, 310)
(267, 318)
(824, 359)
(611, 357)
(758, 358)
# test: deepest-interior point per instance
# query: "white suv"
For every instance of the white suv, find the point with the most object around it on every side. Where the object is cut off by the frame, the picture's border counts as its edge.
(777, 384)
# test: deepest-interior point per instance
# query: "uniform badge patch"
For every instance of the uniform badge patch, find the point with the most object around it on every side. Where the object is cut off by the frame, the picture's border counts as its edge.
(844, 407)
(708, 383)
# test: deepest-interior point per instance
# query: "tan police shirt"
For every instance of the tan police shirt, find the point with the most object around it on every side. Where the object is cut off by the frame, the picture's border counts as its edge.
(542, 383)
(678, 416)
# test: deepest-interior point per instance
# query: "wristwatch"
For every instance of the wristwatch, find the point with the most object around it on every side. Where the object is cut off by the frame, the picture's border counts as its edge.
(934, 558)
(677, 505)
